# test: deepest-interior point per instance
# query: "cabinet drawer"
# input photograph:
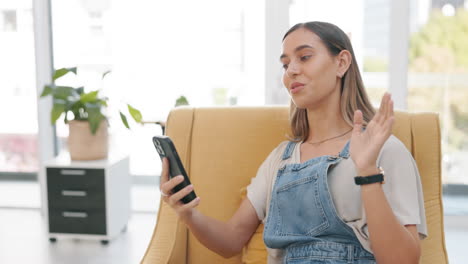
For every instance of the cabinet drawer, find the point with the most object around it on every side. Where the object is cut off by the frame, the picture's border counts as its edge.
(76, 178)
(76, 199)
(77, 222)
(75, 188)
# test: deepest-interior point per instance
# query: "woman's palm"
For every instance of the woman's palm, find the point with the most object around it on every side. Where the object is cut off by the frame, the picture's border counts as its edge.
(366, 145)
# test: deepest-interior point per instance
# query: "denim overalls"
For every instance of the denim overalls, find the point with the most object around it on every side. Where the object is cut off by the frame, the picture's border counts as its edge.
(302, 218)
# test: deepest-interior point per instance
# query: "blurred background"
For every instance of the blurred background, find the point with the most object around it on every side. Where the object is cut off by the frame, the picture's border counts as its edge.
(158, 52)
(217, 53)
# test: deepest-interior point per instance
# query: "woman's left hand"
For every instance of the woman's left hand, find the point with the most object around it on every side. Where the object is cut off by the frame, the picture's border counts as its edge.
(365, 145)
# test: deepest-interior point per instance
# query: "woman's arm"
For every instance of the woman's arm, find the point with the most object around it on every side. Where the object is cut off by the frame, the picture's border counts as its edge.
(226, 239)
(391, 242)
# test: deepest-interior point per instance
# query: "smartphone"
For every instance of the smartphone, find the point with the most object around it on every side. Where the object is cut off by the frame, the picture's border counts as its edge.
(166, 149)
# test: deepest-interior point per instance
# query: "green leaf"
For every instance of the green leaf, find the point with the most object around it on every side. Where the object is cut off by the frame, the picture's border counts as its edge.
(135, 113)
(94, 123)
(80, 90)
(104, 74)
(124, 120)
(94, 116)
(64, 92)
(61, 72)
(89, 97)
(93, 107)
(75, 108)
(48, 89)
(57, 110)
(102, 101)
(182, 100)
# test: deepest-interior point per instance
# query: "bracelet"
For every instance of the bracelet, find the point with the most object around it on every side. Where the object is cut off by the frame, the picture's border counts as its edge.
(362, 180)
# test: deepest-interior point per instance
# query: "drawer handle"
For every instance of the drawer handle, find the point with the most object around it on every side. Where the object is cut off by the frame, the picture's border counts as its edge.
(72, 172)
(75, 214)
(74, 193)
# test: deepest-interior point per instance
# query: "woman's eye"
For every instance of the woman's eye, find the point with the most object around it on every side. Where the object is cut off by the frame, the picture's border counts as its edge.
(304, 58)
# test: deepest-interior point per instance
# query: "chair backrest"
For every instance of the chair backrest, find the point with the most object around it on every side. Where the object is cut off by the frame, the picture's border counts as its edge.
(222, 149)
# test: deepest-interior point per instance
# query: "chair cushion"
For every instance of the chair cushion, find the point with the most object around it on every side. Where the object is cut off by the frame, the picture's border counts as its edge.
(222, 149)
(254, 251)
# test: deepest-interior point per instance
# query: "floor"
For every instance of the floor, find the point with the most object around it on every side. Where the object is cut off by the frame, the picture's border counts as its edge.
(456, 238)
(23, 237)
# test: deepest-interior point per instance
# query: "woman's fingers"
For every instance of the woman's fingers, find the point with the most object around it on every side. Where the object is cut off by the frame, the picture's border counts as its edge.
(169, 185)
(190, 205)
(386, 123)
(386, 109)
(378, 115)
(180, 194)
(386, 98)
(357, 120)
(390, 118)
(389, 125)
(165, 171)
(164, 176)
(174, 199)
(389, 108)
(383, 108)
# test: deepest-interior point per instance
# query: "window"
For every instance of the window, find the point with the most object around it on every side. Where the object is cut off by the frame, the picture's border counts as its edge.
(156, 52)
(438, 80)
(18, 113)
(8, 21)
(368, 27)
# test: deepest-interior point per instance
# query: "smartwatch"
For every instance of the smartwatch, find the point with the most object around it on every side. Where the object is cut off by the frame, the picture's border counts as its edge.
(362, 180)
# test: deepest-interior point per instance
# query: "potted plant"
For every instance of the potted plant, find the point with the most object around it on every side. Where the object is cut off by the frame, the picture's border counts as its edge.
(83, 112)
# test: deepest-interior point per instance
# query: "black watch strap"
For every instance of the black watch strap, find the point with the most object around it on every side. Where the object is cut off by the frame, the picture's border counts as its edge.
(359, 180)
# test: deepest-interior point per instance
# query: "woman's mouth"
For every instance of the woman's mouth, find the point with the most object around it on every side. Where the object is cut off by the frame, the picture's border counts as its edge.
(296, 87)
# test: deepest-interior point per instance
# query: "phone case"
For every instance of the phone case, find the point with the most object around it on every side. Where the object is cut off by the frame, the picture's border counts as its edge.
(166, 148)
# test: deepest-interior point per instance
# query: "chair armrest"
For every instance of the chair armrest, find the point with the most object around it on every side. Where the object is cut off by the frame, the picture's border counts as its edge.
(160, 123)
(169, 240)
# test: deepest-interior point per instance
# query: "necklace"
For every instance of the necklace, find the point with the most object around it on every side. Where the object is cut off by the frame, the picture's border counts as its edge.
(319, 142)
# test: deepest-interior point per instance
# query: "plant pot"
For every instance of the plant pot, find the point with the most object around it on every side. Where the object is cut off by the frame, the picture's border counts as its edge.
(85, 146)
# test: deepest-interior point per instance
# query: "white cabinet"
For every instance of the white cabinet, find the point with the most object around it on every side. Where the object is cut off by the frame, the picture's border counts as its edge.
(87, 199)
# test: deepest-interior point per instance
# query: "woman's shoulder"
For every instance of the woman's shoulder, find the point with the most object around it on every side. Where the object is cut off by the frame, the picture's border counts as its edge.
(276, 154)
(282, 146)
(395, 152)
(279, 149)
(394, 146)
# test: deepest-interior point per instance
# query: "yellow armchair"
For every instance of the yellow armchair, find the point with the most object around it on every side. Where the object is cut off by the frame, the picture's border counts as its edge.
(222, 148)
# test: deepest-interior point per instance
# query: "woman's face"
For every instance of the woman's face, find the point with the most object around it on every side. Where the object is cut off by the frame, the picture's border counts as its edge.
(311, 74)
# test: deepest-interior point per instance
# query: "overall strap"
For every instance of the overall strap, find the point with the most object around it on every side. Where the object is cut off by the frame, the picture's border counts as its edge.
(289, 150)
(345, 151)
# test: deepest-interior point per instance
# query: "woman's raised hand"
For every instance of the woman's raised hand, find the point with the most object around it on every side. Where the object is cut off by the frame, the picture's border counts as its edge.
(366, 145)
(184, 211)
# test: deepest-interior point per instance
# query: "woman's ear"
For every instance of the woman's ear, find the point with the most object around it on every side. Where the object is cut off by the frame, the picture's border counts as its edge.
(344, 59)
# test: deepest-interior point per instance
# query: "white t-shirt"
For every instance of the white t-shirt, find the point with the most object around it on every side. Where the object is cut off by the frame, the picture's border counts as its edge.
(402, 189)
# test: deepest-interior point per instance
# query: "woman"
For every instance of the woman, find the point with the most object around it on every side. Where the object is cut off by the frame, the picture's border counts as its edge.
(306, 192)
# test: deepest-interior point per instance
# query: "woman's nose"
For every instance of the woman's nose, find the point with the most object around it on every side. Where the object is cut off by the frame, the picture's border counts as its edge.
(292, 70)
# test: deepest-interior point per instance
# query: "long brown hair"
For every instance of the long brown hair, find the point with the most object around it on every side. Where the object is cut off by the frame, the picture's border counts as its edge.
(353, 94)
